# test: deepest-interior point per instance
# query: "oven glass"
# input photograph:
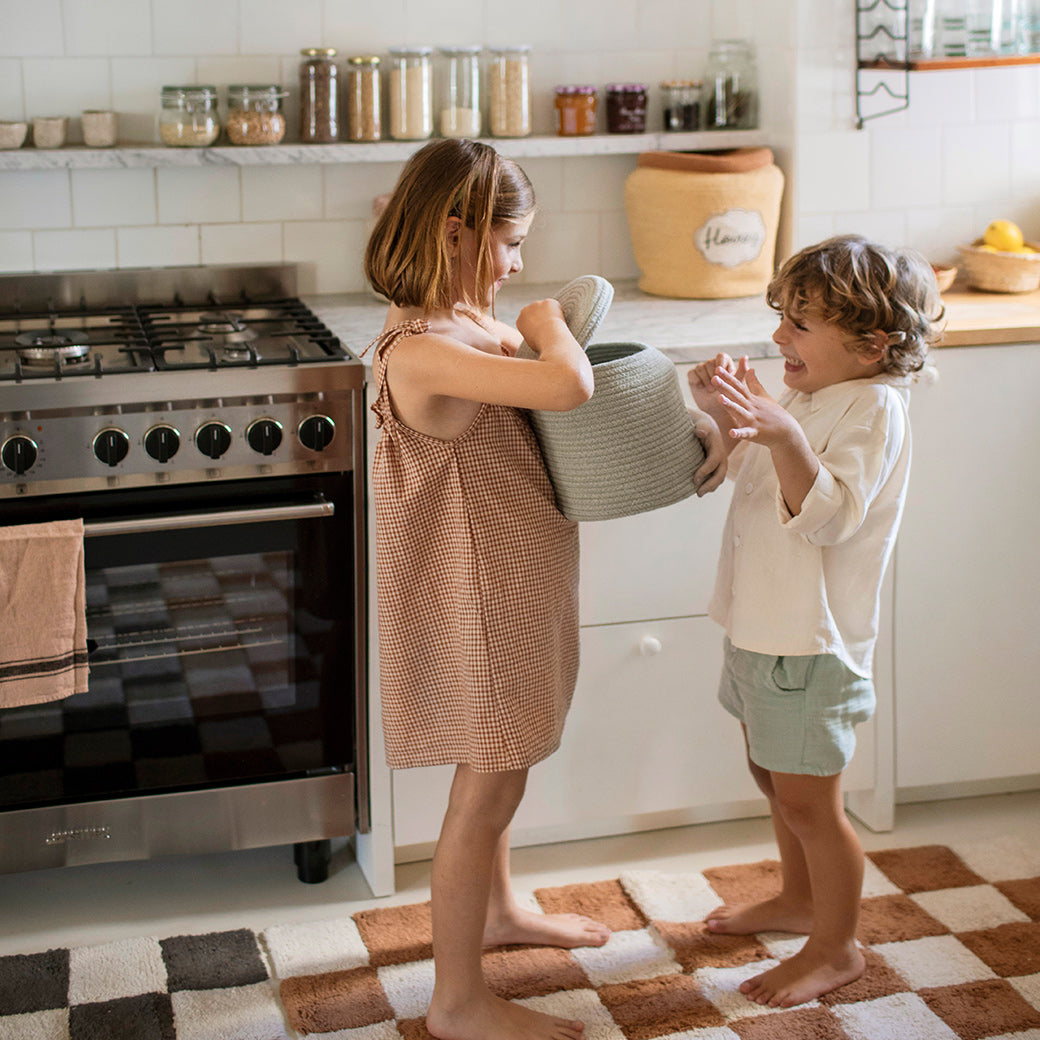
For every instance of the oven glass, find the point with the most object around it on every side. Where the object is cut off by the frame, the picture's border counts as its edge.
(218, 655)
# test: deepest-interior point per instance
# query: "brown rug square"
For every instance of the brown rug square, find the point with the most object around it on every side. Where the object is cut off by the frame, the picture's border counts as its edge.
(604, 901)
(895, 919)
(396, 933)
(982, 1009)
(1025, 894)
(925, 868)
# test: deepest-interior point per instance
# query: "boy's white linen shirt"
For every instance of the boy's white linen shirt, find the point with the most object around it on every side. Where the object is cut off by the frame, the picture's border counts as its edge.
(811, 584)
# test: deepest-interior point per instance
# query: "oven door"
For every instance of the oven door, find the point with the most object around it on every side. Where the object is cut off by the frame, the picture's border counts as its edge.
(224, 647)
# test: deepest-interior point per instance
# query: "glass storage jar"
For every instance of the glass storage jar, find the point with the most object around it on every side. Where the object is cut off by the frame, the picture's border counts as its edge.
(411, 93)
(508, 78)
(626, 108)
(188, 117)
(682, 104)
(575, 110)
(319, 96)
(732, 86)
(254, 114)
(460, 92)
(364, 116)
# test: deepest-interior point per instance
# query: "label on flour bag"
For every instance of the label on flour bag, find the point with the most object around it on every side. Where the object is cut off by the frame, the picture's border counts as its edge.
(731, 238)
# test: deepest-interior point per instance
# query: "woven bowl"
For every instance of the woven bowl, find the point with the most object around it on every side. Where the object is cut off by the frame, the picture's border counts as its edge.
(944, 276)
(1000, 272)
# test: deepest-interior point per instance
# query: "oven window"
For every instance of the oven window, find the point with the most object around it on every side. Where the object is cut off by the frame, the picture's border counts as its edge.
(226, 666)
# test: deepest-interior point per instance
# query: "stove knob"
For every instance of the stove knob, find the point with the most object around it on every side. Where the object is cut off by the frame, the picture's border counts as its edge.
(111, 446)
(213, 439)
(316, 432)
(18, 453)
(162, 442)
(264, 435)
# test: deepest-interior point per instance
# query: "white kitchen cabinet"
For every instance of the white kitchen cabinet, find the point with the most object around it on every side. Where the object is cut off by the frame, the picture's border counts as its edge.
(967, 652)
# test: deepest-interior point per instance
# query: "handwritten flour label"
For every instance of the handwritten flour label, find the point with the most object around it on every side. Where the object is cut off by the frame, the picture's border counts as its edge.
(731, 238)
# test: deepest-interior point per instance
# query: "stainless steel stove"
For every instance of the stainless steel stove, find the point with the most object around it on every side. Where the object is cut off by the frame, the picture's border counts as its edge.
(209, 431)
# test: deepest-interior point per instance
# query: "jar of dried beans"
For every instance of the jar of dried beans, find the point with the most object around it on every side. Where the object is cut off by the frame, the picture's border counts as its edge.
(319, 105)
(460, 92)
(255, 115)
(509, 86)
(364, 116)
(411, 93)
(575, 110)
(188, 118)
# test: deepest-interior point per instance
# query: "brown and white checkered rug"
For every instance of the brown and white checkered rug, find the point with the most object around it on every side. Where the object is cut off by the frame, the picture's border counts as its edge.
(952, 941)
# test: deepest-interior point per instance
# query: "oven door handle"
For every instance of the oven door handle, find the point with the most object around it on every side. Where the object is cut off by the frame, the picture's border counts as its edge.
(142, 525)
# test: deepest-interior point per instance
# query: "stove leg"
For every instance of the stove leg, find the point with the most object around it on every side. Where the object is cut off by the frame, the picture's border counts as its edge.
(312, 860)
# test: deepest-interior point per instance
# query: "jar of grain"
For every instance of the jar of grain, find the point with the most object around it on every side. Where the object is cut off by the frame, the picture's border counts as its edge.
(411, 93)
(575, 110)
(188, 118)
(460, 92)
(364, 117)
(509, 86)
(255, 114)
(319, 96)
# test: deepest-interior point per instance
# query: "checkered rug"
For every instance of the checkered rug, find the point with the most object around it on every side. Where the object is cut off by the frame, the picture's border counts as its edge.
(952, 941)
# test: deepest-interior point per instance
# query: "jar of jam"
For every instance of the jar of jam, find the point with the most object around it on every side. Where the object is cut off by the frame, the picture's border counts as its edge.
(626, 108)
(319, 96)
(188, 118)
(364, 118)
(682, 104)
(575, 110)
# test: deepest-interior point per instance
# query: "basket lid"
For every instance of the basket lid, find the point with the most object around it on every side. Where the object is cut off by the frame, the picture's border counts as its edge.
(739, 160)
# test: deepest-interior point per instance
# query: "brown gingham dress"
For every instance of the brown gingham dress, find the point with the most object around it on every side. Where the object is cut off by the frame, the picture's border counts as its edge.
(477, 576)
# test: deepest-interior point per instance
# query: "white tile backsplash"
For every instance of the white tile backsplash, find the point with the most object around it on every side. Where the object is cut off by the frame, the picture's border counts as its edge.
(35, 199)
(976, 163)
(266, 26)
(66, 86)
(16, 252)
(107, 27)
(199, 196)
(102, 198)
(31, 30)
(75, 250)
(193, 27)
(174, 246)
(282, 193)
(241, 243)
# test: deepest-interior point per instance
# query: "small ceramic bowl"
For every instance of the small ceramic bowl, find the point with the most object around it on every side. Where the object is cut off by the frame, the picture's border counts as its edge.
(12, 135)
(944, 276)
(49, 131)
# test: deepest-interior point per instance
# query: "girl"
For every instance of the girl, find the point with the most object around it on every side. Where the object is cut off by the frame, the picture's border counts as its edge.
(476, 568)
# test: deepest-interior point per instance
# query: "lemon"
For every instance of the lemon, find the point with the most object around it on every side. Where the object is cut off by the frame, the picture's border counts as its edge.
(1003, 235)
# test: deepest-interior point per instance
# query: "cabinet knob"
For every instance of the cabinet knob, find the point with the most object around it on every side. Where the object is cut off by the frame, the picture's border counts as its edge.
(649, 645)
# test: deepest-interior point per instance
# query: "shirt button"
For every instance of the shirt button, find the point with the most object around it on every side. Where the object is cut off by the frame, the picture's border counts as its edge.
(736, 540)
(748, 488)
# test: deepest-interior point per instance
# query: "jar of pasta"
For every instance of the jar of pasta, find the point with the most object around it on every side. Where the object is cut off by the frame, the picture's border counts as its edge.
(411, 93)
(460, 92)
(575, 110)
(509, 86)
(188, 117)
(364, 118)
(255, 115)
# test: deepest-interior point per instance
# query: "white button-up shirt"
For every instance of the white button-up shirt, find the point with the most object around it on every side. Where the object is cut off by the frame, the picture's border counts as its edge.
(811, 583)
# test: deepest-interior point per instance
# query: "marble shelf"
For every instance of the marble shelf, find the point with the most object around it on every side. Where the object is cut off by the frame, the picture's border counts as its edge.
(78, 157)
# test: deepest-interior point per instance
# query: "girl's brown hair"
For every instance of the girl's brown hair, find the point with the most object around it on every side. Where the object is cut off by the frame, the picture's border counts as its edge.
(862, 287)
(408, 258)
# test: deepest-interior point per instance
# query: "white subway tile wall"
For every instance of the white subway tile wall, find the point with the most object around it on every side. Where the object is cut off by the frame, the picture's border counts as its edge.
(966, 150)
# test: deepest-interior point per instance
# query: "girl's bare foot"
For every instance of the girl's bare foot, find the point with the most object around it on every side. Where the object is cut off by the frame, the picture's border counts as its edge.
(524, 926)
(491, 1017)
(771, 915)
(805, 976)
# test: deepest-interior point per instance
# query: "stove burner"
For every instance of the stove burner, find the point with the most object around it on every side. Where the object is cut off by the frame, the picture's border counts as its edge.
(234, 333)
(43, 348)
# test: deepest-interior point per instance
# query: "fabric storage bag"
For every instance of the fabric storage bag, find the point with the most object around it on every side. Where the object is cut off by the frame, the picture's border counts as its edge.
(631, 447)
(703, 226)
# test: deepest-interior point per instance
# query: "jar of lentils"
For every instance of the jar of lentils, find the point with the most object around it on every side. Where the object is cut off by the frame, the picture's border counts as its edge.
(364, 117)
(255, 115)
(411, 93)
(575, 110)
(188, 117)
(319, 96)
(508, 80)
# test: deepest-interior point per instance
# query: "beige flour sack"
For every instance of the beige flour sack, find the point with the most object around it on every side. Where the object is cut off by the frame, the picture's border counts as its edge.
(704, 226)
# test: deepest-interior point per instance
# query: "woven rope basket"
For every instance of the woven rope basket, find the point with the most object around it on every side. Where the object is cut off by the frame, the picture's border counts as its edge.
(631, 447)
(1000, 272)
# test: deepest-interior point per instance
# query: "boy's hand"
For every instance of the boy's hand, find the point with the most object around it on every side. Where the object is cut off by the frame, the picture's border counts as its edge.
(753, 414)
(712, 471)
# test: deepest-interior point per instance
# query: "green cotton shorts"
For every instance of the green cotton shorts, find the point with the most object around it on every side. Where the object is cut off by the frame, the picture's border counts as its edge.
(799, 712)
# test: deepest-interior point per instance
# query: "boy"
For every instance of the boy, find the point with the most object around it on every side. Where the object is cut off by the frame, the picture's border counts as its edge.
(820, 481)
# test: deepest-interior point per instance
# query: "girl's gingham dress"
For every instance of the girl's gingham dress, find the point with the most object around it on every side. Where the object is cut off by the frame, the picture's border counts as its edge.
(477, 575)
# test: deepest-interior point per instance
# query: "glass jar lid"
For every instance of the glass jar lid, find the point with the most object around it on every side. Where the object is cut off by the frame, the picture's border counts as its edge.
(196, 93)
(363, 59)
(319, 52)
(410, 52)
(266, 91)
(578, 88)
(511, 48)
(467, 49)
(627, 88)
(678, 84)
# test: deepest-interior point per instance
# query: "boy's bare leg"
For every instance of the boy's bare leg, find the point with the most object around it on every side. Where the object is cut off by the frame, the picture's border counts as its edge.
(508, 922)
(463, 1008)
(812, 809)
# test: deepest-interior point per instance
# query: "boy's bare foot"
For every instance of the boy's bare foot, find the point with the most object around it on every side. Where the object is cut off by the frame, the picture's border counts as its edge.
(491, 1017)
(803, 977)
(771, 915)
(524, 926)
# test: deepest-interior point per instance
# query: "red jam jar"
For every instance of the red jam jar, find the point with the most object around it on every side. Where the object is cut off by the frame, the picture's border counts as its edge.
(575, 111)
(626, 108)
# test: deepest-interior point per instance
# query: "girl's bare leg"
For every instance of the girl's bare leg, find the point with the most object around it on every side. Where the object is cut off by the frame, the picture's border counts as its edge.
(508, 922)
(463, 1008)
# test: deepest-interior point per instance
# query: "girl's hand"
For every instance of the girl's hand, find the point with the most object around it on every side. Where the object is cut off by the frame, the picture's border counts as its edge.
(712, 471)
(539, 321)
(752, 413)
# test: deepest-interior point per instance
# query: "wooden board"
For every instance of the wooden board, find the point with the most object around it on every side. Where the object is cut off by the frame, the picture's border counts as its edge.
(974, 317)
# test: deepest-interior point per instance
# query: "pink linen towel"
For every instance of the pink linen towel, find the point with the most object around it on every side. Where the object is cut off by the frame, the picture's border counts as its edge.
(43, 620)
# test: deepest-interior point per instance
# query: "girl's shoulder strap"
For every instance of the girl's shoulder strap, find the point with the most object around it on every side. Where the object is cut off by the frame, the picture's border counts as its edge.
(384, 344)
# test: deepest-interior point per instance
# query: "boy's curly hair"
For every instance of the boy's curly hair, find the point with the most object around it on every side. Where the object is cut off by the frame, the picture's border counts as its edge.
(862, 287)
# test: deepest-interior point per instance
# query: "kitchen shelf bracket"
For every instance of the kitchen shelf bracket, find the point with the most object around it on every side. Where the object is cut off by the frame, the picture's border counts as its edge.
(882, 57)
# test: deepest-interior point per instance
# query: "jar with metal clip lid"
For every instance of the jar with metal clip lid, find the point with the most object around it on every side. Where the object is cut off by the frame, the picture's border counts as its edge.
(254, 115)
(732, 83)
(319, 96)
(188, 117)
(364, 116)
(460, 92)
(508, 78)
(411, 93)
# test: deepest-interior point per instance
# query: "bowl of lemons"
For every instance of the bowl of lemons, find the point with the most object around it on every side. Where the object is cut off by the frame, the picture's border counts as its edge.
(1002, 260)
